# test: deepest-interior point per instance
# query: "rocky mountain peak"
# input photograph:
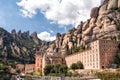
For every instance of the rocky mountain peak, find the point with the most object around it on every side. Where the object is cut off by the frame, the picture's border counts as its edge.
(104, 23)
(34, 35)
(58, 35)
(19, 46)
(13, 32)
(25, 34)
(35, 38)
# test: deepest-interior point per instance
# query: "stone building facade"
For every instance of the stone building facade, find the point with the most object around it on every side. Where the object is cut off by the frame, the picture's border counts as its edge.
(29, 68)
(42, 60)
(26, 68)
(100, 55)
(38, 62)
(21, 67)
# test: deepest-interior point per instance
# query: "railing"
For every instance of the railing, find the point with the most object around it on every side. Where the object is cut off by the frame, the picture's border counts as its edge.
(44, 77)
(30, 77)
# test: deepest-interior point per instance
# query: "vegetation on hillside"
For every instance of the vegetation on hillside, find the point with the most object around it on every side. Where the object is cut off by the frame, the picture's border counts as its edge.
(4, 72)
(75, 50)
(59, 70)
(108, 75)
(117, 58)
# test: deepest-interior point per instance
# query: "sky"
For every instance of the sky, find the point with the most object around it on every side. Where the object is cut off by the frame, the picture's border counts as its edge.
(46, 17)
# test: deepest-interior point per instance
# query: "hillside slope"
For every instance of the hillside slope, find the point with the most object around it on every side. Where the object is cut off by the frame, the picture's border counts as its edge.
(18, 46)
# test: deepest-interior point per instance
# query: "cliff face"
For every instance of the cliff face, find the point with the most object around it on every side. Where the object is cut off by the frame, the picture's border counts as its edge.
(104, 22)
(19, 46)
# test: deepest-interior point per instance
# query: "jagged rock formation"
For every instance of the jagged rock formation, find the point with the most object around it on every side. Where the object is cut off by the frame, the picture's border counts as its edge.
(19, 46)
(104, 23)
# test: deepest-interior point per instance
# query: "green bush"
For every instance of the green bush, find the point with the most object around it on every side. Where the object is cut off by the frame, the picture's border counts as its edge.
(79, 49)
(48, 68)
(118, 70)
(55, 70)
(72, 73)
(69, 73)
(75, 50)
(75, 73)
(4, 72)
(77, 65)
(108, 75)
(36, 73)
(117, 60)
(73, 66)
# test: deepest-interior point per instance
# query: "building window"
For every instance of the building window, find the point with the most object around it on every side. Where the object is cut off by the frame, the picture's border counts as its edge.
(103, 67)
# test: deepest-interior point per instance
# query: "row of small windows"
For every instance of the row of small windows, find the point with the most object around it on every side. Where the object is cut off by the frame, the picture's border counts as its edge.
(85, 57)
(30, 69)
(94, 65)
(109, 45)
(89, 52)
(114, 42)
(85, 60)
(94, 46)
(109, 50)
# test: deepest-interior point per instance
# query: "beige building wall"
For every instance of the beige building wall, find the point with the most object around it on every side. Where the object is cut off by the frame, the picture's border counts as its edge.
(108, 50)
(100, 55)
(38, 62)
(50, 59)
(21, 67)
(29, 68)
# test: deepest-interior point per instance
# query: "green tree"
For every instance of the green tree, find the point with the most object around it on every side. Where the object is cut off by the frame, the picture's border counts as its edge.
(57, 69)
(79, 65)
(63, 69)
(5, 72)
(48, 69)
(73, 66)
(117, 59)
(79, 49)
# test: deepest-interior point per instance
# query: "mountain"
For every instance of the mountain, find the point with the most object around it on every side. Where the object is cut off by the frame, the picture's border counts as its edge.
(104, 23)
(18, 46)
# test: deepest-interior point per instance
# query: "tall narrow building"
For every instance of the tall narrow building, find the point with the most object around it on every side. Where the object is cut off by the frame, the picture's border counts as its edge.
(38, 62)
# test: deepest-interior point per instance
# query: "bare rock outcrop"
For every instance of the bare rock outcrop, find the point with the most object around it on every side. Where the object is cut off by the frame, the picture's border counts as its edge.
(35, 38)
(118, 3)
(103, 9)
(112, 4)
(85, 25)
(104, 22)
(94, 12)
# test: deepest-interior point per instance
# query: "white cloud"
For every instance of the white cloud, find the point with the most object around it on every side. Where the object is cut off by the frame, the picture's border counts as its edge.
(51, 31)
(63, 12)
(46, 36)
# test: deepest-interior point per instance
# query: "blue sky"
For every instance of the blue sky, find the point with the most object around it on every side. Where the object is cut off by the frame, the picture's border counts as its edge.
(45, 17)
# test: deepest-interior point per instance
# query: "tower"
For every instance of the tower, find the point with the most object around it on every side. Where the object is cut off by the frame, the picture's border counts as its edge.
(38, 62)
